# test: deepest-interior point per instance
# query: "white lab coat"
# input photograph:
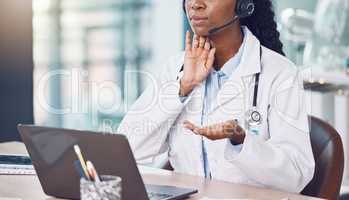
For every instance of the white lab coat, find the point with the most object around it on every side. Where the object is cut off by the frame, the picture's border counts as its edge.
(280, 157)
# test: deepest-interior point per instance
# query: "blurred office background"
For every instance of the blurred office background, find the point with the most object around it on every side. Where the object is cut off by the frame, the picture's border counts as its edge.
(105, 50)
(81, 63)
(87, 53)
(82, 47)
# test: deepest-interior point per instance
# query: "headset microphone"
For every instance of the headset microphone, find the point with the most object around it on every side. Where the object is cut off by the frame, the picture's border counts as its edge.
(244, 8)
(217, 29)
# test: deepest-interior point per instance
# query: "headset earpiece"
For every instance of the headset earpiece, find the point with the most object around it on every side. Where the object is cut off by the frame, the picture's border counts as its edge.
(244, 8)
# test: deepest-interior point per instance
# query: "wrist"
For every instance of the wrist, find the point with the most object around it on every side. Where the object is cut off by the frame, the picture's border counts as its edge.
(185, 88)
(235, 141)
(237, 138)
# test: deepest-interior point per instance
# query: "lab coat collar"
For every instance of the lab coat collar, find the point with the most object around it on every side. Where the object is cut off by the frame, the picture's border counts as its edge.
(234, 62)
(250, 61)
(250, 65)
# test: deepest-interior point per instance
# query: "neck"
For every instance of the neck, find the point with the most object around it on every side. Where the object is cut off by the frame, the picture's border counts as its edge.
(227, 44)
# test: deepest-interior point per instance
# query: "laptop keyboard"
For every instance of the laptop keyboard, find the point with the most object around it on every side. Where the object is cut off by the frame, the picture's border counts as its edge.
(158, 196)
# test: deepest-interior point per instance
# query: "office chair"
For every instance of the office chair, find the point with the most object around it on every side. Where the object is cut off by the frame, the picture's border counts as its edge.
(329, 160)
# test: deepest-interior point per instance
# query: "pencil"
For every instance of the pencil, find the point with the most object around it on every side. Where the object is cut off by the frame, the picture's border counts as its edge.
(82, 161)
(92, 170)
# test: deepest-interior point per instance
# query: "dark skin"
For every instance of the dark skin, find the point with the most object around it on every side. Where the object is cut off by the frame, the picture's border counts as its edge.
(205, 51)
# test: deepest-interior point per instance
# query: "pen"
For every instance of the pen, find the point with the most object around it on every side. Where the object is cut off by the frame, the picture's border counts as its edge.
(79, 169)
(92, 171)
(82, 161)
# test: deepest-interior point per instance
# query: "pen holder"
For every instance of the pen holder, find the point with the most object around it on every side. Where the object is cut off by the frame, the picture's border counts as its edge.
(109, 188)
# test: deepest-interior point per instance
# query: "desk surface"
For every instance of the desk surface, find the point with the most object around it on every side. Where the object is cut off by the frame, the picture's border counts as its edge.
(28, 187)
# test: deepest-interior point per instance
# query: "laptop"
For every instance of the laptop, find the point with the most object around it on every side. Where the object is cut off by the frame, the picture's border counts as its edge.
(52, 154)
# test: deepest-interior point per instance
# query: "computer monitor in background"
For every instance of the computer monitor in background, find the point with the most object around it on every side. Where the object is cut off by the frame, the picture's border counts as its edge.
(16, 67)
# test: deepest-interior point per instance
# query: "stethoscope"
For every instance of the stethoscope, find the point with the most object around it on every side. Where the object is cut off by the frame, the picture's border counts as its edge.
(253, 117)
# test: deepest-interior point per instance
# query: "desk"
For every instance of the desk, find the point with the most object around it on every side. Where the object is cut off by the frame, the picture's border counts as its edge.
(29, 188)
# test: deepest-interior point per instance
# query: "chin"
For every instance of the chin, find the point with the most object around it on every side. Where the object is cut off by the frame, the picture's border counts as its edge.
(201, 31)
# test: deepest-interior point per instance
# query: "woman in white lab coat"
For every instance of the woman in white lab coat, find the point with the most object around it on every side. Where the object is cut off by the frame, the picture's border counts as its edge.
(231, 107)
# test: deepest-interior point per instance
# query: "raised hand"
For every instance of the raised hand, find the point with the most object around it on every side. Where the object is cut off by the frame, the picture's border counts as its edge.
(198, 62)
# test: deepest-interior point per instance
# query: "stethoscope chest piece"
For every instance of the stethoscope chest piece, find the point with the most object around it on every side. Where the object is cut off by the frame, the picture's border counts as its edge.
(253, 117)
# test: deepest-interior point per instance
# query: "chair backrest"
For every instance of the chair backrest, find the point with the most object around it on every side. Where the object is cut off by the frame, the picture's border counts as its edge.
(329, 160)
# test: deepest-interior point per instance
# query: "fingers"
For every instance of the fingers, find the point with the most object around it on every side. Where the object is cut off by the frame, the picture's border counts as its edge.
(210, 59)
(207, 45)
(200, 131)
(199, 42)
(192, 127)
(189, 125)
(205, 53)
(217, 131)
(202, 42)
(213, 132)
(205, 131)
(195, 42)
(188, 41)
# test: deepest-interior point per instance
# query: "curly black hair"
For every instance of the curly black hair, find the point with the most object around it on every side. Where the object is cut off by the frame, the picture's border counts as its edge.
(263, 25)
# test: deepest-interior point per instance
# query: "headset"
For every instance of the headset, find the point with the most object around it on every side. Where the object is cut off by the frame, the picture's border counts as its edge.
(244, 8)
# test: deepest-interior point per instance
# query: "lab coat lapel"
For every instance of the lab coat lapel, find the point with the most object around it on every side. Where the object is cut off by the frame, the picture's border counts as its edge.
(250, 65)
(231, 89)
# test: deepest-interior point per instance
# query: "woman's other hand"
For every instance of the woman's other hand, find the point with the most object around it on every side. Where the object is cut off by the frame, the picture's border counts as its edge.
(229, 129)
(198, 62)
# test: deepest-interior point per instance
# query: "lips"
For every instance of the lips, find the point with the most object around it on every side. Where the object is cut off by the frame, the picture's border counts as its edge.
(198, 20)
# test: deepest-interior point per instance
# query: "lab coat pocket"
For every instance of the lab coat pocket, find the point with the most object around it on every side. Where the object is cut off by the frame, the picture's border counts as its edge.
(262, 129)
(228, 171)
